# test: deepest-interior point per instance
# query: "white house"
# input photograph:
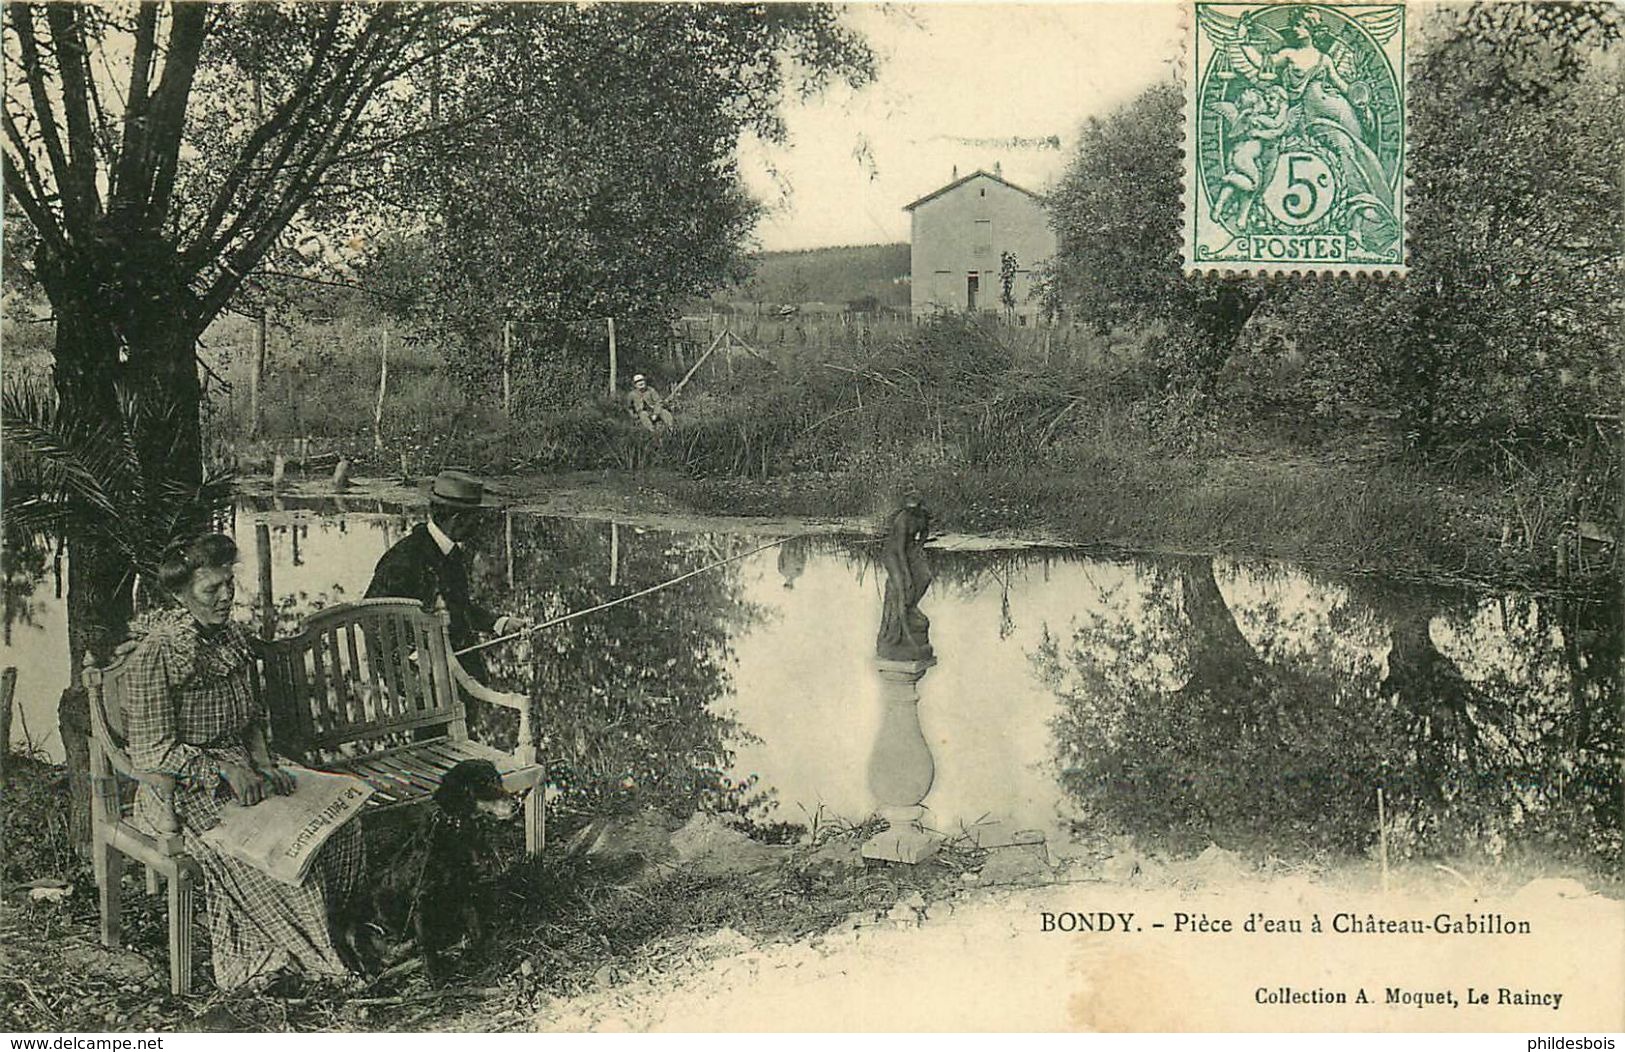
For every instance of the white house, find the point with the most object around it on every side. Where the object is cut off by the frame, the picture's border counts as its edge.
(959, 235)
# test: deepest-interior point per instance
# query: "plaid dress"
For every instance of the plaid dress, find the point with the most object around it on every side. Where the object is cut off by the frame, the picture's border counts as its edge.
(190, 705)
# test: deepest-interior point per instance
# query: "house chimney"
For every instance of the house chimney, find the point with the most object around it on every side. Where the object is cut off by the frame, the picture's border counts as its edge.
(998, 170)
(956, 173)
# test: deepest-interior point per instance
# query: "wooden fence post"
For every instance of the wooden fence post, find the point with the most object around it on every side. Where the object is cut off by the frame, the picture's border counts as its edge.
(715, 343)
(383, 385)
(8, 689)
(612, 357)
(507, 544)
(262, 552)
(256, 371)
(507, 367)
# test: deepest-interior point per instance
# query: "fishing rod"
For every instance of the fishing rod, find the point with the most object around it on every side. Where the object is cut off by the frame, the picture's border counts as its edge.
(529, 629)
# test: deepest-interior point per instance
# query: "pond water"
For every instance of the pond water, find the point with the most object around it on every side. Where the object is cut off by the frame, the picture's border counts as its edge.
(1183, 700)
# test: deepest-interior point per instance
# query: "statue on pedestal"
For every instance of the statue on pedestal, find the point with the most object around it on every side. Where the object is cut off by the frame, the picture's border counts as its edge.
(905, 633)
(901, 769)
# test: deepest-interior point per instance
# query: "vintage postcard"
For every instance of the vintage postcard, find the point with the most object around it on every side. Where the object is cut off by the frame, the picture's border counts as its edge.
(821, 517)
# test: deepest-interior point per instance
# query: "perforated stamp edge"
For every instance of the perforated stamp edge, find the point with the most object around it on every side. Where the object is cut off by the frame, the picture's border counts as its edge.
(1191, 199)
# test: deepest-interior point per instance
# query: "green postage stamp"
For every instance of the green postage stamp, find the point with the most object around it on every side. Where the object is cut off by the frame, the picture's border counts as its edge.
(1295, 138)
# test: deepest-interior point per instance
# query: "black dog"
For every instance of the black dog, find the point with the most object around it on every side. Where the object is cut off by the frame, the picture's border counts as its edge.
(435, 889)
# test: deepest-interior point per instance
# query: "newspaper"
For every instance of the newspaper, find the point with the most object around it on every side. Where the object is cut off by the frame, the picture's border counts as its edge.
(280, 835)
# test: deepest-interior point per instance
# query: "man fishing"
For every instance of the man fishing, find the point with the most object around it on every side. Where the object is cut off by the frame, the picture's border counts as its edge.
(646, 405)
(429, 565)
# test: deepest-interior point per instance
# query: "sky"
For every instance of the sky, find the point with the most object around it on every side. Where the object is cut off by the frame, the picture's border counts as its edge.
(954, 79)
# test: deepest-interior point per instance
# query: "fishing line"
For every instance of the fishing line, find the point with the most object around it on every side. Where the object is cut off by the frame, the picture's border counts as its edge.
(617, 602)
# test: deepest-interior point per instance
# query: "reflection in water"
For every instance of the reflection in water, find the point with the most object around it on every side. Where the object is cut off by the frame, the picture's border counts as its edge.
(1182, 700)
(630, 696)
(26, 561)
(1282, 745)
(793, 559)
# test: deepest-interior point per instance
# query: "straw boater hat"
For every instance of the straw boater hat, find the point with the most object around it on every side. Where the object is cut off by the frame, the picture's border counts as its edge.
(457, 489)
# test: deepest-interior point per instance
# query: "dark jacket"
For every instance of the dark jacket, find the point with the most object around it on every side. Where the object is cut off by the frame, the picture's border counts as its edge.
(415, 568)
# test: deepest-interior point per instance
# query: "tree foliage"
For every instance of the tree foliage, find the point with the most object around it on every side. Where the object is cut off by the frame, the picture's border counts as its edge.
(194, 134)
(63, 467)
(1504, 329)
(578, 160)
(594, 171)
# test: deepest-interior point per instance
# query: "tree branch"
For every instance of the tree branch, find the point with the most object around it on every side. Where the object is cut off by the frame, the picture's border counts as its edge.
(22, 20)
(24, 163)
(31, 201)
(188, 27)
(382, 146)
(68, 36)
(297, 190)
(443, 48)
(300, 139)
(127, 176)
(334, 284)
(282, 121)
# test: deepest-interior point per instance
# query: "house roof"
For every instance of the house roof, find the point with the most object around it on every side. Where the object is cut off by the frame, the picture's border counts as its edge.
(957, 183)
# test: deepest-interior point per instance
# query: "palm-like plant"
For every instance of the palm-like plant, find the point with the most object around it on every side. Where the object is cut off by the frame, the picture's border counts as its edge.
(64, 472)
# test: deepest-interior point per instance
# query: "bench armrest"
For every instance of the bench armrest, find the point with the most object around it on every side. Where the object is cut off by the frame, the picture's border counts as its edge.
(163, 786)
(480, 692)
(526, 752)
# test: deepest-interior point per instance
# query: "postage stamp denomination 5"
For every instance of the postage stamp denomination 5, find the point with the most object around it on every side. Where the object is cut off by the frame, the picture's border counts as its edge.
(1295, 138)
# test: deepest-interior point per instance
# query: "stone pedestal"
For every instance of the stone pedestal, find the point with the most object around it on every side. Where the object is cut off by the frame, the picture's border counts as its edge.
(900, 767)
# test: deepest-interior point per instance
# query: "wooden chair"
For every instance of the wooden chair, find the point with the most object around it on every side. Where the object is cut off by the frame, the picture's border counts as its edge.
(114, 836)
(372, 689)
(369, 688)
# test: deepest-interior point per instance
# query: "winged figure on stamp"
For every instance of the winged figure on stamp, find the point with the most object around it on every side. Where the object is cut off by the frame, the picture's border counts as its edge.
(1301, 80)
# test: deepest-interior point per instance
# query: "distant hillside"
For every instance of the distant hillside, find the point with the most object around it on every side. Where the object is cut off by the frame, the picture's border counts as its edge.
(841, 275)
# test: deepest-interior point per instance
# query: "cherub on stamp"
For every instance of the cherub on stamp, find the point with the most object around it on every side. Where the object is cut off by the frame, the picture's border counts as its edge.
(1295, 138)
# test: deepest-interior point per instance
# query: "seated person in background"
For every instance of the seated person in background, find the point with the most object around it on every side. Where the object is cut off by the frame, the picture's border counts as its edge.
(645, 404)
(429, 565)
(193, 714)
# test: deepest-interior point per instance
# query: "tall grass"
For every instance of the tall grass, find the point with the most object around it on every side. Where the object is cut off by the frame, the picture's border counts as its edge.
(1094, 442)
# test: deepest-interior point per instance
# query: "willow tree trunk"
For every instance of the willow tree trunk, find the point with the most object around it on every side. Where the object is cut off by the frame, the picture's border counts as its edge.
(116, 355)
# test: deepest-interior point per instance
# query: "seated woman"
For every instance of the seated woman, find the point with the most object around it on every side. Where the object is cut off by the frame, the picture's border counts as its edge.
(192, 713)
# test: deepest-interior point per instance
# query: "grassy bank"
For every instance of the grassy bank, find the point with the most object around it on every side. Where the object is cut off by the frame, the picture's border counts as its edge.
(580, 929)
(572, 921)
(1099, 443)
(1361, 517)
(1318, 514)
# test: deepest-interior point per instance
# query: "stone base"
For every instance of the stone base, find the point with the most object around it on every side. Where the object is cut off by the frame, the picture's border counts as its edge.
(908, 844)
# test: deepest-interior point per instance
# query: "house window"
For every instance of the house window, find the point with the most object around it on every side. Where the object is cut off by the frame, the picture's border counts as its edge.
(982, 245)
(973, 285)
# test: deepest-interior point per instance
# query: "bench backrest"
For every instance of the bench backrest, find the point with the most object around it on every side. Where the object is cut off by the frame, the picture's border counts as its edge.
(360, 677)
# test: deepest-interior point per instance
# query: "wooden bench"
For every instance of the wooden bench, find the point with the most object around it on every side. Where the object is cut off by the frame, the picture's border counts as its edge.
(369, 688)
(373, 689)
